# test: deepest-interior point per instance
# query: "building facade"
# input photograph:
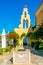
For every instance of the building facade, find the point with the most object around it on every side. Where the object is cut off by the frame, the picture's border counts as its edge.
(39, 15)
(23, 27)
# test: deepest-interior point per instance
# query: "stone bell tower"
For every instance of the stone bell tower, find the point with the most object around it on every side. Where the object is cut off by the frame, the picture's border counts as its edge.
(25, 19)
(24, 26)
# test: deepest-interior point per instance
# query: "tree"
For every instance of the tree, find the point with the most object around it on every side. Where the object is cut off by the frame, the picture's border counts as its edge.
(23, 34)
(38, 34)
(41, 46)
(30, 35)
(16, 42)
(36, 38)
(15, 37)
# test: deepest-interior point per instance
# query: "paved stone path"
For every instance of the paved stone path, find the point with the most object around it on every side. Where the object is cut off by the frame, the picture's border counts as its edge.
(35, 59)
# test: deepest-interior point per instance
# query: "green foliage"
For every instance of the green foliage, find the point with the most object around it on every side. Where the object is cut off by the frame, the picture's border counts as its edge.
(0, 45)
(32, 44)
(30, 35)
(41, 45)
(37, 44)
(1, 51)
(13, 35)
(23, 34)
(8, 49)
(38, 33)
(16, 42)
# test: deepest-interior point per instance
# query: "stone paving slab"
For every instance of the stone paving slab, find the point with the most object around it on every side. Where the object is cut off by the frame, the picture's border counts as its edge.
(38, 60)
(35, 60)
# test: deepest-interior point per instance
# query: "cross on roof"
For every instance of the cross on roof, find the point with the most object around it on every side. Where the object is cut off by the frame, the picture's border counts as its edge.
(25, 6)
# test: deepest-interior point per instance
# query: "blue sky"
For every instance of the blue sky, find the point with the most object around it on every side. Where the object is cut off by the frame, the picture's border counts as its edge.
(11, 10)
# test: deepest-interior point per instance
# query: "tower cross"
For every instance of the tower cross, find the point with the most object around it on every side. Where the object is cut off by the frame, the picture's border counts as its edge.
(25, 6)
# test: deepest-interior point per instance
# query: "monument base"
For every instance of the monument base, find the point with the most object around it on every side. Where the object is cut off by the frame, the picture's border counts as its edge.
(22, 57)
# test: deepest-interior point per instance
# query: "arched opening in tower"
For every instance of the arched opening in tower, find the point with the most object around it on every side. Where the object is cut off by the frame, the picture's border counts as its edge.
(25, 42)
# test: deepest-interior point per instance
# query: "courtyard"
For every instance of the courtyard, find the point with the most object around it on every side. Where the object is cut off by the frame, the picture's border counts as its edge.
(23, 45)
(35, 59)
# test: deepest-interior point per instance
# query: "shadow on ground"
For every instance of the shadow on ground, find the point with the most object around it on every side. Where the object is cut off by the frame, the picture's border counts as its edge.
(11, 60)
(35, 52)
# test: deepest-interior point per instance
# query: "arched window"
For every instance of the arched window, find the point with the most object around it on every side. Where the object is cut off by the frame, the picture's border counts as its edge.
(25, 23)
(25, 13)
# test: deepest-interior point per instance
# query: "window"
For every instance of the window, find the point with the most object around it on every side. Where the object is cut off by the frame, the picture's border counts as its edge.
(25, 23)
(25, 14)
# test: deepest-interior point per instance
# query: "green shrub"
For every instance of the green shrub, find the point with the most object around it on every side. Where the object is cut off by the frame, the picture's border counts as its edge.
(32, 44)
(1, 51)
(41, 47)
(8, 49)
(36, 45)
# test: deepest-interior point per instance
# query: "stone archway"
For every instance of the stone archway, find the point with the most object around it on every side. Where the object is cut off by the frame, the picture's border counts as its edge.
(25, 42)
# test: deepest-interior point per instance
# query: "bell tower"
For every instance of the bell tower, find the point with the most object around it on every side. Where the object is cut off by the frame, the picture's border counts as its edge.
(23, 28)
(25, 19)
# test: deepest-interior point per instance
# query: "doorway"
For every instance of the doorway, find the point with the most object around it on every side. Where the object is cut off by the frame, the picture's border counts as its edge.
(25, 42)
